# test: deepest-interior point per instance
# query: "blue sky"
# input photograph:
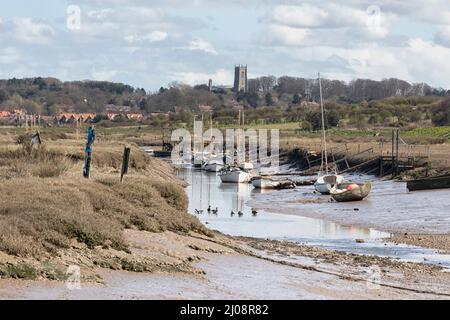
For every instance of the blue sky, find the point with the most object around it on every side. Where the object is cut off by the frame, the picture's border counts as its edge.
(152, 43)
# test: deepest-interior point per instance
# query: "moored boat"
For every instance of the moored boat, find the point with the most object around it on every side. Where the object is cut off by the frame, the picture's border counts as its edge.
(269, 183)
(326, 180)
(235, 175)
(350, 191)
(264, 183)
(325, 183)
(213, 165)
(429, 183)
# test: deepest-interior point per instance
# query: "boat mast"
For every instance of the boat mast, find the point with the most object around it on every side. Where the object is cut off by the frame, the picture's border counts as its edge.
(195, 138)
(238, 136)
(324, 137)
(211, 149)
(203, 142)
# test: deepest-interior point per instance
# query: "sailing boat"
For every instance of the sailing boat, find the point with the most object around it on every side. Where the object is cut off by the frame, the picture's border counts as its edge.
(214, 163)
(238, 173)
(199, 156)
(326, 180)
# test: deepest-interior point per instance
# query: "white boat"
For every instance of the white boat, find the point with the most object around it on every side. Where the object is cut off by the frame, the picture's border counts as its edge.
(213, 165)
(325, 183)
(235, 175)
(265, 183)
(247, 166)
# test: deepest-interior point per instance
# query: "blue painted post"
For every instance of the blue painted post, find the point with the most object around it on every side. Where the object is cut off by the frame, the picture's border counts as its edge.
(88, 151)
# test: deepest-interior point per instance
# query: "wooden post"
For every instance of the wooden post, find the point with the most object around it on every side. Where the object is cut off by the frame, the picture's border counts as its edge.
(88, 150)
(125, 162)
(381, 167)
(395, 140)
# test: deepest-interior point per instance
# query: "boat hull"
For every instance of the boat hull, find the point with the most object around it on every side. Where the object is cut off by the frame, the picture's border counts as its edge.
(235, 177)
(266, 183)
(357, 194)
(262, 183)
(324, 184)
(213, 167)
(440, 182)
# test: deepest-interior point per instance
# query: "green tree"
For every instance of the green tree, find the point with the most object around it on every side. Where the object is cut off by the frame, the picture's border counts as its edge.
(306, 126)
(296, 99)
(441, 114)
(332, 119)
(315, 119)
(252, 99)
(3, 95)
(269, 99)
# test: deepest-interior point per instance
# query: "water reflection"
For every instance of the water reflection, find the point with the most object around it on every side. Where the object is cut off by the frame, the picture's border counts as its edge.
(206, 189)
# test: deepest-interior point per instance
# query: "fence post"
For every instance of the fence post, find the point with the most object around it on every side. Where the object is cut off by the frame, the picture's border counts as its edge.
(125, 162)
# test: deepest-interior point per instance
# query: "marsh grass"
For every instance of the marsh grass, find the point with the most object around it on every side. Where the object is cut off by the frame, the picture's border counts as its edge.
(19, 271)
(23, 161)
(45, 205)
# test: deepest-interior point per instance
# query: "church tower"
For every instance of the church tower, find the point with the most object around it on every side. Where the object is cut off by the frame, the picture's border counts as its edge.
(240, 78)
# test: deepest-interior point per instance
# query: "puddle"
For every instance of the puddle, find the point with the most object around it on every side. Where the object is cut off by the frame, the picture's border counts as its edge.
(206, 189)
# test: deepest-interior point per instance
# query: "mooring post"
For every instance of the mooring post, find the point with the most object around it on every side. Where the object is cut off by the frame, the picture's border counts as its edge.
(395, 140)
(381, 167)
(88, 150)
(125, 162)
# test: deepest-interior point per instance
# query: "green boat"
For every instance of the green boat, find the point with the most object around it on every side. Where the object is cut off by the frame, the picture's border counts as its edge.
(350, 191)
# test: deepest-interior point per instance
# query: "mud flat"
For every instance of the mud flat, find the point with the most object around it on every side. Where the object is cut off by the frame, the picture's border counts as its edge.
(390, 208)
(246, 268)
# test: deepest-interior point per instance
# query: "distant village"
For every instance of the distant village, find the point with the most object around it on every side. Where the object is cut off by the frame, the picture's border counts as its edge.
(20, 117)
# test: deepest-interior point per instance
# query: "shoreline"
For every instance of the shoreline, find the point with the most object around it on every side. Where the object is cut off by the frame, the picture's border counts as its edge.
(234, 268)
(405, 226)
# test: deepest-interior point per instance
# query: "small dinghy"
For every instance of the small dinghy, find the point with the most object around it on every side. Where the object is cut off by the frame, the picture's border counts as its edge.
(325, 183)
(269, 183)
(351, 191)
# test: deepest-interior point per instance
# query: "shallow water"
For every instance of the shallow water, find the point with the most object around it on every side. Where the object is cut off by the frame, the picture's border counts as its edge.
(206, 189)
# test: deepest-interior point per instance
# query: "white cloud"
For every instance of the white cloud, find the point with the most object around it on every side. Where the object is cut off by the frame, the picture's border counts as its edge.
(285, 35)
(325, 24)
(133, 24)
(29, 31)
(417, 61)
(430, 11)
(328, 15)
(201, 45)
(305, 15)
(154, 36)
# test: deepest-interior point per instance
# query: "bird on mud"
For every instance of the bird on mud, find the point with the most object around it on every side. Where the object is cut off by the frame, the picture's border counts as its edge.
(254, 212)
(240, 213)
(198, 211)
